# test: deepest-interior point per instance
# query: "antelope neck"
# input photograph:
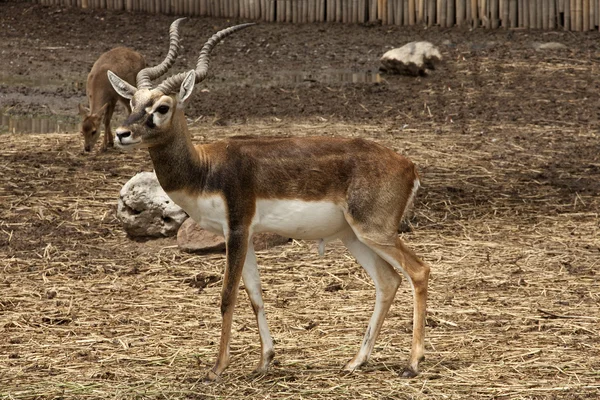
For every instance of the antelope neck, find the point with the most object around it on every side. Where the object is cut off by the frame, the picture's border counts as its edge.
(178, 165)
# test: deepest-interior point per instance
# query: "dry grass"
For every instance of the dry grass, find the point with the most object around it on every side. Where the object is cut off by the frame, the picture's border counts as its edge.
(507, 218)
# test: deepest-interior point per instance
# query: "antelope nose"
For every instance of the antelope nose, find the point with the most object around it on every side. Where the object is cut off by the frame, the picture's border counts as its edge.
(122, 134)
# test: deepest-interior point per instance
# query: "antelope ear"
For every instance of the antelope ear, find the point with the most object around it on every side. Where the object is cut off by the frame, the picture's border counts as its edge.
(187, 86)
(83, 111)
(124, 89)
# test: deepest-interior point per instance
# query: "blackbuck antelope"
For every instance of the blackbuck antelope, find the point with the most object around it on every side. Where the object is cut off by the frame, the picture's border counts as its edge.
(102, 98)
(313, 188)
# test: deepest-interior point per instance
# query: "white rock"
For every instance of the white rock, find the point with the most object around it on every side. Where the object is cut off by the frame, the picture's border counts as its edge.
(413, 59)
(145, 210)
(548, 46)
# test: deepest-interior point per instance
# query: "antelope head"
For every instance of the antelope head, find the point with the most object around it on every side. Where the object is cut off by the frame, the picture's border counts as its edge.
(157, 113)
(90, 125)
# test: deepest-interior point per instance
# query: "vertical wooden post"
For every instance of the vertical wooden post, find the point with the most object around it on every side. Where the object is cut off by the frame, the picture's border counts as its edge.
(495, 13)
(266, 10)
(320, 10)
(420, 11)
(312, 12)
(593, 11)
(460, 12)
(431, 10)
(474, 14)
(578, 15)
(306, 10)
(512, 11)
(451, 14)
(442, 12)
(279, 10)
(484, 13)
(526, 14)
(289, 10)
(411, 12)
(540, 14)
(553, 15)
(399, 18)
(545, 13)
(390, 12)
(373, 10)
(586, 15)
(384, 10)
(468, 18)
(532, 14)
(223, 8)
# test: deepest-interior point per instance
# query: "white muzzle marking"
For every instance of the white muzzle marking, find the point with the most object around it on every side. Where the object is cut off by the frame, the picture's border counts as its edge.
(124, 139)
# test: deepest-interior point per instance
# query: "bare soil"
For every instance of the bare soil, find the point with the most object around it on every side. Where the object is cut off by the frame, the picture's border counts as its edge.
(506, 141)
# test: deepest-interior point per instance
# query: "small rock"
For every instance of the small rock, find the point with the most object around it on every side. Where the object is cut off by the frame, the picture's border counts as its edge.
(548, 46)
(264, 241)
(411, 59)
(191, 238)
(145, 210)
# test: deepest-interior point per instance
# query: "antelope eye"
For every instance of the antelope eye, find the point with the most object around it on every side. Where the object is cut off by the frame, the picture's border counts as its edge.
(94, 132)
(162, 109)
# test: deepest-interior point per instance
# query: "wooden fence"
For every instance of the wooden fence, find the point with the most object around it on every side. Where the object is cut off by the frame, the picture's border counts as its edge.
(573, 15)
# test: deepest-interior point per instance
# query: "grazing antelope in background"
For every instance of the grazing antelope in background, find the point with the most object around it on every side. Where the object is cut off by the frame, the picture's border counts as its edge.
(102, 98)
(306, 188)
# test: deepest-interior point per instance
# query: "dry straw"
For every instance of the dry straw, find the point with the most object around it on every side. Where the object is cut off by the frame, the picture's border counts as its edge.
(514, 308)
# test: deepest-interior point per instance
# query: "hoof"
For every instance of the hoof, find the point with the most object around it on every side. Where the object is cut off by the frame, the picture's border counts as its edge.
(352, 366)
(259, 371)
(211, 377)
(409, 373)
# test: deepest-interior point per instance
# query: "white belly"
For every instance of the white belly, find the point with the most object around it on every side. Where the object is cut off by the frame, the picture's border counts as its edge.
(209, 212)
(289, 218)
(299, 219)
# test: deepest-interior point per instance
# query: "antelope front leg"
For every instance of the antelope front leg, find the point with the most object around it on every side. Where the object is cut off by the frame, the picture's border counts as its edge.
(237, 245)
(251, 279)
(108, 137)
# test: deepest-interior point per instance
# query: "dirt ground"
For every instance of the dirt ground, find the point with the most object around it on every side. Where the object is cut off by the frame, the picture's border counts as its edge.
(506, 141)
